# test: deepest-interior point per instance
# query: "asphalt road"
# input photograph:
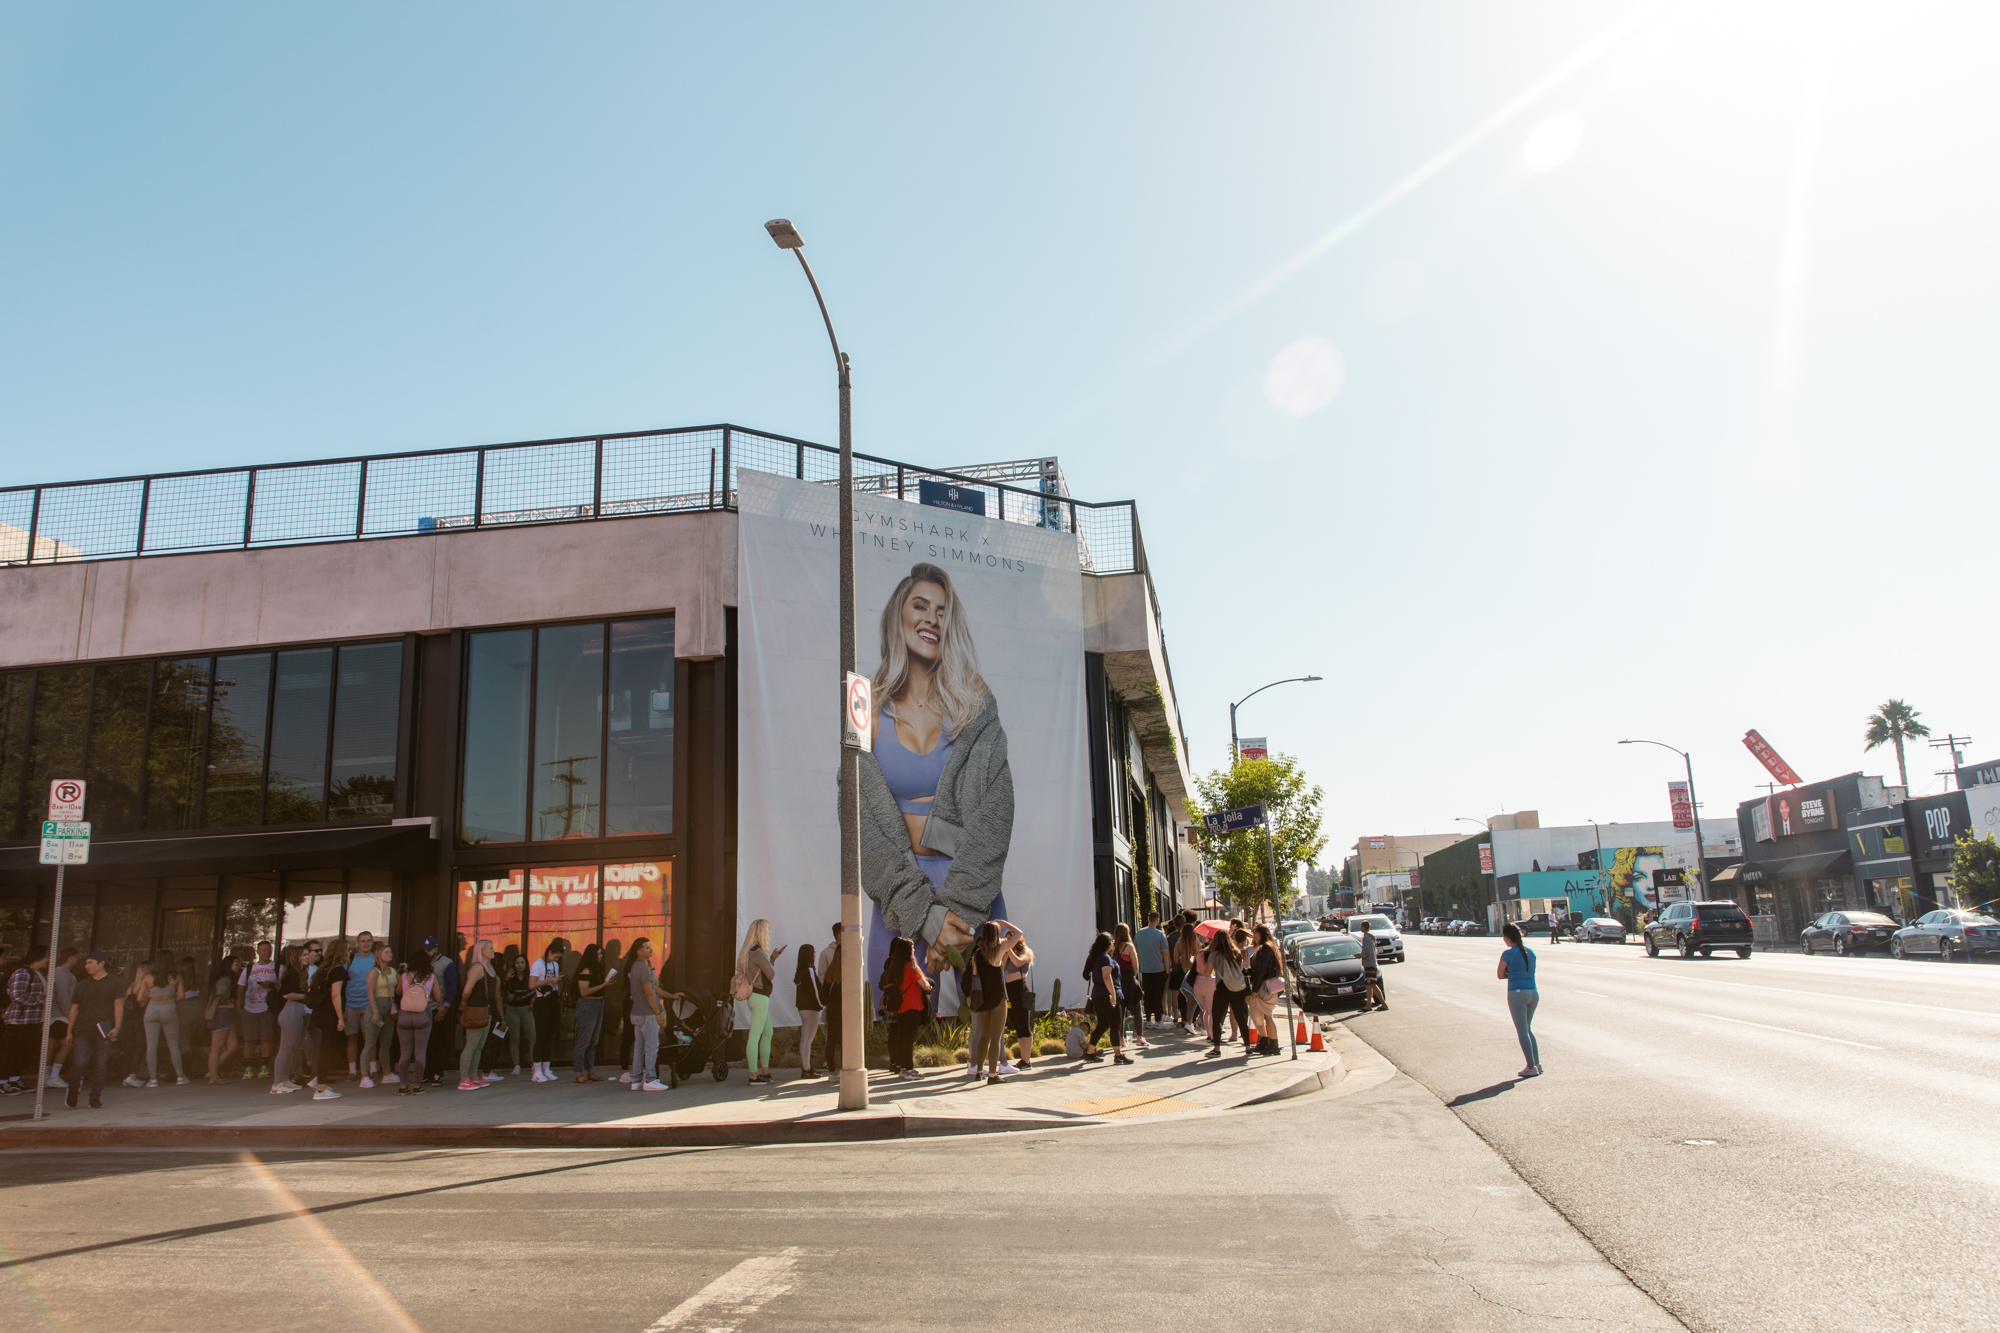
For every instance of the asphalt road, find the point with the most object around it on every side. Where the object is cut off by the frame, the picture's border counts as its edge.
(1778, 1143)
(1367, 1209)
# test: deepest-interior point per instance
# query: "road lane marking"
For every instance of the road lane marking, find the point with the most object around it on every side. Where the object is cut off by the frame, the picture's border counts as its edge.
(1591, 993)
(732, 1298)
(1817, 994)
(1793, 1031)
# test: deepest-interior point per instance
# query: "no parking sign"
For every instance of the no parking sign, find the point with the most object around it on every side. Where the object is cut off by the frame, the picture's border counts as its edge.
(857, 712)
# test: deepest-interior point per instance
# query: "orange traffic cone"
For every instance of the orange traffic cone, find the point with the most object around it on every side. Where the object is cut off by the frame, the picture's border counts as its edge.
(1319, 1042)
(1302, 1029)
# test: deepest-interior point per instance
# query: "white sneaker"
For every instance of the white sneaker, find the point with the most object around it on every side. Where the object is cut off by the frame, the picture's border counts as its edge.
(625, 1077)
(134, 1081)
(638, 1087)
(325, 1094)
(517, 1071)
(182, 1081)
(1009, 1067)
(54, 1080)
(152, 1083)
(366, 1082)
(388, 1079)
(651, 1085)
(494, 1077)
(280, 1089)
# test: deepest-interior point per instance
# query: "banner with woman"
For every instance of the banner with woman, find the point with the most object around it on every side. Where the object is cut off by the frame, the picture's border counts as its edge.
(975, 791)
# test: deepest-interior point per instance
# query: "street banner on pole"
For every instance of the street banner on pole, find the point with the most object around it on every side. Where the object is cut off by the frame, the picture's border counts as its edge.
(1254, 747)
(1769, 758)
(1485, 858)
(1677, 797)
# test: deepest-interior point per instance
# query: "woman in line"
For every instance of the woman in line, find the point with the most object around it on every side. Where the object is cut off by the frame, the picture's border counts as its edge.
(329, 1012)
(161, 982)
(647, 1012)
(1225, 968)
(518, 997)
(189, 974)
(1100, 970)
(1020, 1004)
(416, 1002)
(291, 994)
(1201, 981)
(378, 1033)
(806, 999)
(477, 998)
(545, 979)
(756, 963)
(1265, 968)
(218, 1014)
(1132, 996)
(990, 948)
(590, 987)
(1239, 934)
(905, 998)
(616, 1038)
(1517, 969)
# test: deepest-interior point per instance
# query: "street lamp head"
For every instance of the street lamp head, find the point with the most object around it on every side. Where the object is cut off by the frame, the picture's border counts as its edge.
(785, 234)
(1315, 678)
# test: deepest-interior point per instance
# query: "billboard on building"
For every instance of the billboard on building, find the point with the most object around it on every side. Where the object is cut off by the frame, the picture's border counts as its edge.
(976, 790)
(1794, 812)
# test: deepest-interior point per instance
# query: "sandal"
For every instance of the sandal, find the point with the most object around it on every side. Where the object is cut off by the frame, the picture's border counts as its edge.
(583, 1078)
(592, 1078)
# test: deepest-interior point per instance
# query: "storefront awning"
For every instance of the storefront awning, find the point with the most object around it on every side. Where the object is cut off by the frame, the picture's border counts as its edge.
(1819, 865)
(407, 847)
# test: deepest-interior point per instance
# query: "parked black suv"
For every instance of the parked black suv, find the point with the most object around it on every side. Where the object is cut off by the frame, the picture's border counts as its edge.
(1699, 928)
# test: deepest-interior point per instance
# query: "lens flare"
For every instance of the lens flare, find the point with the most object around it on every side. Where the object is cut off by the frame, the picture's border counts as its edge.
(1304, 377)
(1553, 142)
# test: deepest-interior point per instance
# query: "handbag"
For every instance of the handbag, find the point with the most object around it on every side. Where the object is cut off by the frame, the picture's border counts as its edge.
(1274, 986)
(474, 1016)
(739, 987)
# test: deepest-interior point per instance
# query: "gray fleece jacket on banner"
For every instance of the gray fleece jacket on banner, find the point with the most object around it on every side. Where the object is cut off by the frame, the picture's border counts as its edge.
(971, 820)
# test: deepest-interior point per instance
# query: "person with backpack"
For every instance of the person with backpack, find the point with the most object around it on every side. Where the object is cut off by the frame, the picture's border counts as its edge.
(545, 979)
(1225, 966)
(1100, 972)
(755, 971)
(416, 1004)
(905, 999)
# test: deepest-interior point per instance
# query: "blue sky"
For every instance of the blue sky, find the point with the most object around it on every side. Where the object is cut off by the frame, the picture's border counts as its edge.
(1663, 409)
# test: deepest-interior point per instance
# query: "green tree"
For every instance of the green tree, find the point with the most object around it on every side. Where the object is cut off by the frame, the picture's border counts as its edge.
(1975, 872)
(1292, 807)
(1892, 724)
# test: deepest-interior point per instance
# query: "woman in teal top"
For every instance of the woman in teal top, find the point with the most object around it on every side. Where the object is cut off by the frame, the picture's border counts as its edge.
(1517, 969)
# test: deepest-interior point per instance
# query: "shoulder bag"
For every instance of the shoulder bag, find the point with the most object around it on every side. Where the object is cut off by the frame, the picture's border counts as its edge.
(478, 1015)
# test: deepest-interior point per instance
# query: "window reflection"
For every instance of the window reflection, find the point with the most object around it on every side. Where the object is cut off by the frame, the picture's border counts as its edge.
(236, 733)
(173, 745)
(499, 669)
(639, 786)
(295, 792)
(367, 714)
(569, 694)
(562, 900)
(117, 746)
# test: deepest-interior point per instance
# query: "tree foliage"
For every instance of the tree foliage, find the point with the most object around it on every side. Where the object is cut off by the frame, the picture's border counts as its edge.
(1975, 871)
(1892, 724)
(1292, 807)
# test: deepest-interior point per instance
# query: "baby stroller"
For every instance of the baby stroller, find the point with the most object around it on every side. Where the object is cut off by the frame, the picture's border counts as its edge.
(702, 1025)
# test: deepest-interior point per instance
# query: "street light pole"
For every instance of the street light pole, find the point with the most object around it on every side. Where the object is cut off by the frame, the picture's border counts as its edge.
(1235, 752)
(853, 949)
(1700, 869)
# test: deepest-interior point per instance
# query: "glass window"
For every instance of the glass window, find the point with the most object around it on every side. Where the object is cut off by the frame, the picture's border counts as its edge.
(17, 691)
(639, 783)
(17, 918)
(490, 909)
(313, 901)
(117, 746)
(236, 733)
(124, 923)
(636, 900)
(56, 750)
(569, 692)
(496, 736)
(79, 917)
(366, 717)
(174, 740)
(370, 894)
(562, 900)
(249, 910)
(295, 788)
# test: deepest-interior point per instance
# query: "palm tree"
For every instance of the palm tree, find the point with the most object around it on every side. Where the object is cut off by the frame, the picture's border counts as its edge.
(1892, 724)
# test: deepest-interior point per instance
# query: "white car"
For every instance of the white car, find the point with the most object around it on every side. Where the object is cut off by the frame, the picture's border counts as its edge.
(1388, 940)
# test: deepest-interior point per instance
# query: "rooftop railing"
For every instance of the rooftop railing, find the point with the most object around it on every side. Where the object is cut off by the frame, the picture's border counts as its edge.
(584, 478)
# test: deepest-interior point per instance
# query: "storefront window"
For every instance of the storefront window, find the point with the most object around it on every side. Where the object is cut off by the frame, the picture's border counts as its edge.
(636, 898)
(569, 726)
(295, 790)
(367, 715)
(490, 909)
(499, 672)
(173, 744)
(639, 783)
(249, 910)
(236, 733)
(528, 908)
(562, 901)
(370, 895)
(125, 923)
(313, 901)
(117, 746)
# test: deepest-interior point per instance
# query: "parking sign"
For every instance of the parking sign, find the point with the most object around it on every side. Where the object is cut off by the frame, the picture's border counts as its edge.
(66, 800)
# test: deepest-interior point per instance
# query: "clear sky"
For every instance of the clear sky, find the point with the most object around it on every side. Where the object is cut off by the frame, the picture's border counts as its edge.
(1539, 374)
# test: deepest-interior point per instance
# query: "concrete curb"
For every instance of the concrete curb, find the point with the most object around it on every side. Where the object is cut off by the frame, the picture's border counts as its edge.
(864, 1127)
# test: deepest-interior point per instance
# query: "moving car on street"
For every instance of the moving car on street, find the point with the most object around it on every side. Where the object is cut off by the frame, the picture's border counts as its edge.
(1848, 934)
(1699, 928)
(1599, 930)
(1949, 934)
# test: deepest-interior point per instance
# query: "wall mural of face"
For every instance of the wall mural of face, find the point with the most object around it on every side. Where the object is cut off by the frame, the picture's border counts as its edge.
(924, 610)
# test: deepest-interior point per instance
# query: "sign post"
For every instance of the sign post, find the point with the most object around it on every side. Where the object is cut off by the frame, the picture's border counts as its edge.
(65, 842)
(1249, 816)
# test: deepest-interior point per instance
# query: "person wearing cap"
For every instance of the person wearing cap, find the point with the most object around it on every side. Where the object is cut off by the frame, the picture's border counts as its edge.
(96, 1015)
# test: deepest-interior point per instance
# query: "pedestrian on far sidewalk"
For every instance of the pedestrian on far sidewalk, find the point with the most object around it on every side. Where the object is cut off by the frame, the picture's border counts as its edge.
(989, 949)
(1373, 996)
(1131, 1001)
(416, 1009)
(355, 1003)
(63, 978)
(378, 1043)
(806, 999)
(1020, 1000)
(96, 1015)
(1262, 1001)
(905, 999)
(1153, 970)
(1100, 972)
(829, 993)
(161, 984)
(1517, 969)
(545, 980)
(478, 998)
(519, 999)
(1232, 989)
(591, 983)
(21, 1037)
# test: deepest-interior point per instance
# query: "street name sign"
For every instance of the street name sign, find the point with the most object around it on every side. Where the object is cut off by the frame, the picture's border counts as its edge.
(1229, 821)
(65, 843)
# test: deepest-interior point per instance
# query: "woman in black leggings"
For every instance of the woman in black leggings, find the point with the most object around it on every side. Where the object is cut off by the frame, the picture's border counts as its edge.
(1232, 991)
(1100, 969)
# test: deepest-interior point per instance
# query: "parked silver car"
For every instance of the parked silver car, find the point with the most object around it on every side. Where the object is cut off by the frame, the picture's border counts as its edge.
(1599, 930)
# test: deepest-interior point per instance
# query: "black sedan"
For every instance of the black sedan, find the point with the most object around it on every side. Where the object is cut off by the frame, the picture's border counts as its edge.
(1848, 934)
(1948, 934)
(1329, 971)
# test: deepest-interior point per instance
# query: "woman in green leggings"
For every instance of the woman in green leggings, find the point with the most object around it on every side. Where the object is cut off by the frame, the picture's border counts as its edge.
(378, 1037)
(756, 965)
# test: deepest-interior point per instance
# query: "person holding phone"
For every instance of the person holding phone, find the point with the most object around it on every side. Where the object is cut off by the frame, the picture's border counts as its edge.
(545, 982)
(644, 984)
(756, 963)
(591, 979)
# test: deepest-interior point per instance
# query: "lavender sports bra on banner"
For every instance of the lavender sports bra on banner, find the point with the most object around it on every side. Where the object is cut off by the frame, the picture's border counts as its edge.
(909, 775)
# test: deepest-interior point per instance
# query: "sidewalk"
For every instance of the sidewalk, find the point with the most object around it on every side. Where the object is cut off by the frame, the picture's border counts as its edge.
(1174, 1077)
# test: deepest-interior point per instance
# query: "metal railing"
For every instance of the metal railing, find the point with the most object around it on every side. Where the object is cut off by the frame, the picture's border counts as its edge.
(579, 479)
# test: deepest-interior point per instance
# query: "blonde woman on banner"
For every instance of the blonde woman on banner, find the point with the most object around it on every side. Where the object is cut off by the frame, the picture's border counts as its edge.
(937, 797)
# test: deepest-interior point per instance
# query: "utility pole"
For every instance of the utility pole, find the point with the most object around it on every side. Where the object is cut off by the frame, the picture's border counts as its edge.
(1952, 743)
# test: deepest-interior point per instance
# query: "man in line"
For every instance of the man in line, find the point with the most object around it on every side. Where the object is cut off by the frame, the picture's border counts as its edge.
(829, 991)
(1151, 942)
(445, 1036)
(354, 998)
(21, 1038)
(96, 1016)
(258, 985)
(1371, 973)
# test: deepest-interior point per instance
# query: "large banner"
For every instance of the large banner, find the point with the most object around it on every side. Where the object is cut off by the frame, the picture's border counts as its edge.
(976, 793)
